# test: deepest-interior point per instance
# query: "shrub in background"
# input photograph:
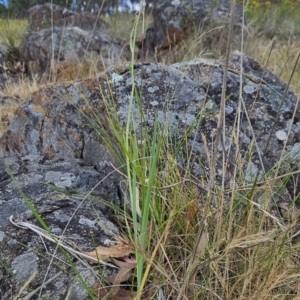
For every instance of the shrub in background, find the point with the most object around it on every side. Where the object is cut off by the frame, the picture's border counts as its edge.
(275, 18)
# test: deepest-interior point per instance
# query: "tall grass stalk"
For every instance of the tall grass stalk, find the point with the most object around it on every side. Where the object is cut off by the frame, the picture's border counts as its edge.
(140, 238)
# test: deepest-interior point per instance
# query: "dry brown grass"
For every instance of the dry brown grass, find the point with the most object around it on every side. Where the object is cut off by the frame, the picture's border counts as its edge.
(13, 95)
(282, 58)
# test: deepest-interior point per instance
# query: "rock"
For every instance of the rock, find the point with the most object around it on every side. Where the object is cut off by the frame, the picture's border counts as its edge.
(72, 45)
(56, 155)
(61, 40)
(174, 20)
(24, 266)
(57, 190)
(49, 15)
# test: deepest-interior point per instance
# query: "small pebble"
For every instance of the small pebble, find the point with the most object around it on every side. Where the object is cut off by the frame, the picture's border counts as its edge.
(281, 135)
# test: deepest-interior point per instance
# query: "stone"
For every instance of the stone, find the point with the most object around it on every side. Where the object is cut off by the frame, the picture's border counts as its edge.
(72, 45)
(49, 15)
(24, 266)
(65, 208)
(53, 148)
(174, 20)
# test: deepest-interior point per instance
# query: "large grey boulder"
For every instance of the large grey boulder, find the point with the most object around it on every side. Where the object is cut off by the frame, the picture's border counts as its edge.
(49, 15)
(174, 20)
(56, 155)
(72, 45)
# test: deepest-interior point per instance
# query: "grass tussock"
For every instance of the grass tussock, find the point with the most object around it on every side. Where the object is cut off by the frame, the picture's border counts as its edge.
(190, 248)
(11, 34)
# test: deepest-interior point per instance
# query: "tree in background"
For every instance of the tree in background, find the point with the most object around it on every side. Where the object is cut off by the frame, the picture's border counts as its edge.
(4, 3)
(3, 7)
(18, 8)
(108, 6)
